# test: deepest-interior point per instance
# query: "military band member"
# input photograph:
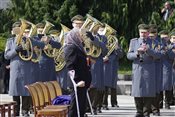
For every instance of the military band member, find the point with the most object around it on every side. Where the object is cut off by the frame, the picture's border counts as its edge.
(173, 43)
(111, 65)
(167, 62)
(62, 76)
(19, 72)
(143, 70)
(158, 67)
(97, 85)
(46, 63)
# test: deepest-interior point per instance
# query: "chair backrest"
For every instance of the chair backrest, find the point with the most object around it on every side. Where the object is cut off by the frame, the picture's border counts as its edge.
(45, 92)
(51, 90)
(57, 87)
(40, 95)
(35, 99)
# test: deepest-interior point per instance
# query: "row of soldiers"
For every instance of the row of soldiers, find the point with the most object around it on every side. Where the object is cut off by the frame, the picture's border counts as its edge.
(103, 69)
(152, 69)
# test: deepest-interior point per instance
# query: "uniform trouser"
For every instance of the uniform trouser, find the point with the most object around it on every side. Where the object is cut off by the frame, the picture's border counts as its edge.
(25, 103)
(155, 104)
(168, 95)
(113, 96)
(143, 105)
(81, 93)
(96, 97)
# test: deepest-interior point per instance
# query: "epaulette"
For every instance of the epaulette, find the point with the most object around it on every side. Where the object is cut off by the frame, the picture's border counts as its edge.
(134, 39)
(11, 38)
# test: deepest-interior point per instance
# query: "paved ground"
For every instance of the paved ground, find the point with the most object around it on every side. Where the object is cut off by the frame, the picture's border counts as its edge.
(126, 109)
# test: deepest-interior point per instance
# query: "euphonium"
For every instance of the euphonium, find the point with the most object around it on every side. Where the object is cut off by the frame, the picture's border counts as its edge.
(90, 24)
(49, 51)
(26, 43)
(59, 58)
(112, 40)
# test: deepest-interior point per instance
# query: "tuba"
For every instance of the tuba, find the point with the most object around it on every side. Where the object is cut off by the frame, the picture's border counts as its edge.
(90, 24)
(112, 40)
(49, 51)
(26, 43)
(59, 58)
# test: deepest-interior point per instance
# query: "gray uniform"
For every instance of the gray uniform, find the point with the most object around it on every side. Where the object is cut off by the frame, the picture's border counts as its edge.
(143, 83)
(97, 68)
(20, 71)
(111, 68)
(47, 65)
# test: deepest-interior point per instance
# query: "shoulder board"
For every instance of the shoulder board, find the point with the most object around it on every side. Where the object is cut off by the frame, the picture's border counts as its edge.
(11, 38)
(134, 39)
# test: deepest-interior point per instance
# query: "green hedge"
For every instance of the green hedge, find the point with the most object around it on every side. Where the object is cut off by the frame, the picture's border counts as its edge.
(2, 43)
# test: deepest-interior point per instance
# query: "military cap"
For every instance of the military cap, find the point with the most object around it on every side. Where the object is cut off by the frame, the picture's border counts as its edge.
(54, 32)
(143, 27)
(77, 17)
(16, 24)
(152, 32)
(163, 33)
(173, 30)
(172, 34)
(40, 25)
(152, 26)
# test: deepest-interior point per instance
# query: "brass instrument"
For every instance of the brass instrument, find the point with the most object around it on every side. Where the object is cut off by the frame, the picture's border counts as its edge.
(26, 43)
(112, 40)
(49, 51)
(37, 51)
(90, 24)
(59, 58)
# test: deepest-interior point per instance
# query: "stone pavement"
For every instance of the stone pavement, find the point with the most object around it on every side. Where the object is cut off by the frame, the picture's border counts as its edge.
(126, 109)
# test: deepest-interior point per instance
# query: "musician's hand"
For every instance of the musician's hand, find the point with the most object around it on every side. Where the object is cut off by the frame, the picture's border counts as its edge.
(19, 48)
(89, 34)
(81, 84)
(105, 59)
(45, 39)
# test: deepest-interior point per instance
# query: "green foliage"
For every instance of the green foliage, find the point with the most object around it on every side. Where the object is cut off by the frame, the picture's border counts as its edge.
(2, 43)
(122, 15)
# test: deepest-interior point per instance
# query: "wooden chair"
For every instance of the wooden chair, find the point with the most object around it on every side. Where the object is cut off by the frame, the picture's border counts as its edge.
(38, 104)
(45, 91)
(42, 99)
(51, 90)
(57, 87)
(7, 106)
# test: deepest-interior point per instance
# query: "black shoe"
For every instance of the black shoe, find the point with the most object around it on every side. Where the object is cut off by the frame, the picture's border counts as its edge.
(167, 106)
(99, 110)
(115, 105)
(139, 115)
(25, 113)
(105, 107)
(95, 111)
(85, 115)
(16, 114)
(156, 114)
